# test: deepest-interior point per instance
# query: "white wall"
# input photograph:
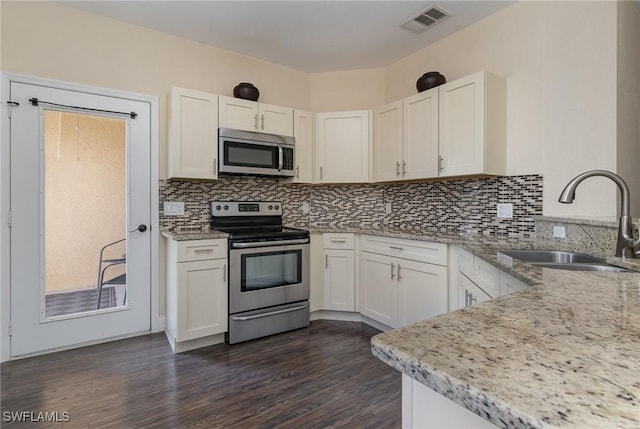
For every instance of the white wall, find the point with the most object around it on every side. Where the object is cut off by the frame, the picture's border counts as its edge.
(629, 98)
(347, 90)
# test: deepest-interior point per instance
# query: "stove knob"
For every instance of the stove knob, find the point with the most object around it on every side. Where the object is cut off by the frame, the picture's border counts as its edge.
(270, 207)
(218, 207)
(226, 207)
(277, 207)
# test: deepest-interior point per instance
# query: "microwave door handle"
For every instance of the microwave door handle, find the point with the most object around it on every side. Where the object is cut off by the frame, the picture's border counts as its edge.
(280, 156)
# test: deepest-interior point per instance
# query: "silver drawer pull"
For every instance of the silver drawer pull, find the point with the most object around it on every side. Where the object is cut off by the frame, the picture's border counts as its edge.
(396, 248)
(271, 313)
(338, 240)
(202, 250)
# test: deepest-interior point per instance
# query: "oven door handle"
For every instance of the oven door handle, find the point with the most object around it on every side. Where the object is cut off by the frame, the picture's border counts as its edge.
(271, 313)
(268, 243)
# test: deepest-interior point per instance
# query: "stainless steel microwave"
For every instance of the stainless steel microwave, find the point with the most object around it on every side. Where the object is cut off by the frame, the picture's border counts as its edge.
(246, 152)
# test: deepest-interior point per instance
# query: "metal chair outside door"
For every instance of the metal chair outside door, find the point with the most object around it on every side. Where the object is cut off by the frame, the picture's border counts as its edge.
(106, 264)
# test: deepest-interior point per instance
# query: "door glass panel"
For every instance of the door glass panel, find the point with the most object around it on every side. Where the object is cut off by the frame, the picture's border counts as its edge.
(271, 269)
(84, 213)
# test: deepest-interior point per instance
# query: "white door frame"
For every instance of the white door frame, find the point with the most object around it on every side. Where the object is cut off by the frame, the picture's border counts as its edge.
(157, 322)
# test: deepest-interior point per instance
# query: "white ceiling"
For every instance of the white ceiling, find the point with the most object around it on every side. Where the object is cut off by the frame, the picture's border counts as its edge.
(312, 36)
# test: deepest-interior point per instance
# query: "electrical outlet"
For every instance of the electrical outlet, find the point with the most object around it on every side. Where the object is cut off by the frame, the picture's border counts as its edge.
(305, 208)
(504, 210)
(173, 208)
(387, 208)
(559, 231)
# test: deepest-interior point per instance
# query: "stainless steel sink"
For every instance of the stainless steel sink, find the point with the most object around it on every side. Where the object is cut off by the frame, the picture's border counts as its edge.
(561, 260)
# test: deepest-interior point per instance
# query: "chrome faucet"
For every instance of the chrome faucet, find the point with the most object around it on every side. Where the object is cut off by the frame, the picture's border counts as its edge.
(626, 244)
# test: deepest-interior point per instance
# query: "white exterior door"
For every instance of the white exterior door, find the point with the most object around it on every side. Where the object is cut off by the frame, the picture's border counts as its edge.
(33, 328)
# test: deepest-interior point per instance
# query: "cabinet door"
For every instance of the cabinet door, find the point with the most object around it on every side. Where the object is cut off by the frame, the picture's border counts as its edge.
(462, 126)
(238, 114)
(303, 132)
(192, 134)
(202, 299)
(509, 284)
(387, 142)
(343, 147)
(469, 294)
(276, 119)
(379, 288)
(339, 280)
(420, 135)
(422, 291)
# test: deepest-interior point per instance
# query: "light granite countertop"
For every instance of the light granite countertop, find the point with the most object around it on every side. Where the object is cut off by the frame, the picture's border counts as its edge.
(563, 353)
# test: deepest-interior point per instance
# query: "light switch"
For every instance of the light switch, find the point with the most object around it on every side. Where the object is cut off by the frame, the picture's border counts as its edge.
(173, 208)
(504, 210)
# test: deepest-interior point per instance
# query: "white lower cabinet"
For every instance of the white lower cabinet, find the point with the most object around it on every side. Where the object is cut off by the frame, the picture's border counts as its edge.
(339, 274)
(397, 291)
(196, 293)
(473, 280)
(424, 408)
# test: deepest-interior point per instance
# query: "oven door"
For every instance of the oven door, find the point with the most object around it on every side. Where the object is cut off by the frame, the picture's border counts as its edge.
(268, 274)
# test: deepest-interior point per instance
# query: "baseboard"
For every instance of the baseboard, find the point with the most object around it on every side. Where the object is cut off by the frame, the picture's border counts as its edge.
(158, 324)
(185, 346)
(344, 316)
(380, 326)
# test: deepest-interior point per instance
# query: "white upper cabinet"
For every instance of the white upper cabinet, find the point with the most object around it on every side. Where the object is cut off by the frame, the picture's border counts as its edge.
(387, 142)
(253, 116)
(420, 135)
(276, 119)
(473, 125)
(303, 133)
(343, 140)
(192, 134)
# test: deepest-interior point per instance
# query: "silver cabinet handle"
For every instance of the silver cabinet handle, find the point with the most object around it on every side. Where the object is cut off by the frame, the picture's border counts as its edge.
(466, 298)
(338, 240)
(215, 166)
(321, 173)
(472, 299)
(297, 171)
(399, 276)
(262, 122)
(326, 260)
(202, 251)
(397, 168)
(404, 168)
(271, 313)
(392, 267)
(255, 119)
(440, 163)
(396, 248)
(224, 273)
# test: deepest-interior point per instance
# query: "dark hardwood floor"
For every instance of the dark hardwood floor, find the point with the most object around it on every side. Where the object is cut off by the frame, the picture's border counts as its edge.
(319, 377)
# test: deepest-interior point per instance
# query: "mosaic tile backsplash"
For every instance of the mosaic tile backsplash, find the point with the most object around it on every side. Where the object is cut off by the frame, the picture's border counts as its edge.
(467, 205)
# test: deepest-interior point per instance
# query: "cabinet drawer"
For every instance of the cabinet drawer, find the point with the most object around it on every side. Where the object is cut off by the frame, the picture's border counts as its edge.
(338, 241)
(421, 251)
(487, 277)
(198, 250)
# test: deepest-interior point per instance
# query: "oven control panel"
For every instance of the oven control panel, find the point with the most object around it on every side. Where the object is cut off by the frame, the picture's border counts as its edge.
(246, 208)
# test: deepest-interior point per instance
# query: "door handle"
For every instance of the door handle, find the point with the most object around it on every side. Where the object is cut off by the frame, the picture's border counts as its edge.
(140, 228)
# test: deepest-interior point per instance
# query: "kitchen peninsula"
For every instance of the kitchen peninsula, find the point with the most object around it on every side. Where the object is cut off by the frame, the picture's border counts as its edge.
(563, 353)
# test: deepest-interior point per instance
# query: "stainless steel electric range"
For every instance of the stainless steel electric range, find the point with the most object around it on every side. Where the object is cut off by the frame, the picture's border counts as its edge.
(268, 269)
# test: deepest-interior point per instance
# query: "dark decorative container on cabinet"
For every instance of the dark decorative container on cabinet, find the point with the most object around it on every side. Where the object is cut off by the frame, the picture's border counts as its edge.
(430, 80)
(246, 91)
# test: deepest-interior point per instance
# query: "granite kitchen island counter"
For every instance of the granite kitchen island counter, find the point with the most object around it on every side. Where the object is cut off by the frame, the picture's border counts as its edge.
(563, 353)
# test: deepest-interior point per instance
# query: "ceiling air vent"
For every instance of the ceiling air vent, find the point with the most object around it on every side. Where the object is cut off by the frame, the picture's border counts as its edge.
(426, 19)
